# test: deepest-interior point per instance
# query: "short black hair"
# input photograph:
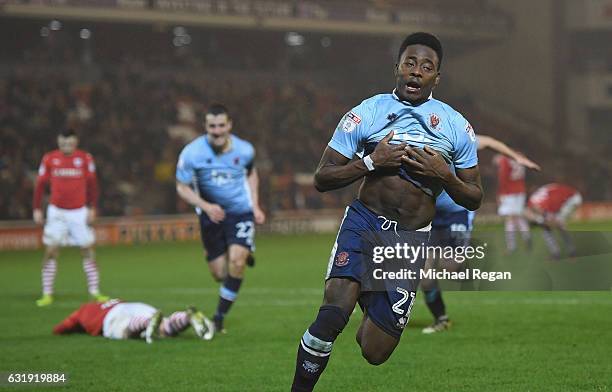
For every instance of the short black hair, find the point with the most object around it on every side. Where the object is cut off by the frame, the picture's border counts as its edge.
(67, 133)
(217, 108)
(425, 39)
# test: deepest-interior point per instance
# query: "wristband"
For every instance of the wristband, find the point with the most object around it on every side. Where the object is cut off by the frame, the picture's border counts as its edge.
(368, 162)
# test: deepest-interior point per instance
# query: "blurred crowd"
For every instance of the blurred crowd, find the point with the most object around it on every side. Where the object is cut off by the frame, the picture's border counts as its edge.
(135, 120)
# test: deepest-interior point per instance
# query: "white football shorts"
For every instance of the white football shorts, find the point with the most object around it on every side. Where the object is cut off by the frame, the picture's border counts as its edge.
(511, 204)
(568, 208)
(67, 228)
(117, 320)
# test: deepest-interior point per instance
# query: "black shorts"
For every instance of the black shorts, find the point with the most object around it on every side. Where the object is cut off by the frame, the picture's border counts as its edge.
(452, 228)
(387, 302)
(234, 229)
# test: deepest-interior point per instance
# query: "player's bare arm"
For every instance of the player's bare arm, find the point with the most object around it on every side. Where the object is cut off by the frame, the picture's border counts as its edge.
(41, 183)
(253, 180)
(337, 171)
(502, 148)
(464, 187)
(214, 211)
(38, 216)
(91, 215)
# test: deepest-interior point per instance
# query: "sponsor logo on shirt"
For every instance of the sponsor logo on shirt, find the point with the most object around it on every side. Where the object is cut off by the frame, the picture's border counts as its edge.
(221, 177)
(67, 172)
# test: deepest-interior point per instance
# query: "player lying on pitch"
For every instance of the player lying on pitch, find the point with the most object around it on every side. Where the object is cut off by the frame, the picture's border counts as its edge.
(115, 319)
(550, 206)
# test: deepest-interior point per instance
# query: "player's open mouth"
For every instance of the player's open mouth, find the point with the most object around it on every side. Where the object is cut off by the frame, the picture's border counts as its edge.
(413, 87)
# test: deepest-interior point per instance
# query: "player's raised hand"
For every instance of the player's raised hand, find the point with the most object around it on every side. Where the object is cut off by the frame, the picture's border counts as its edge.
(387, 155)
(214, 212)
(38, 216)
(426, 162)
(528, 163)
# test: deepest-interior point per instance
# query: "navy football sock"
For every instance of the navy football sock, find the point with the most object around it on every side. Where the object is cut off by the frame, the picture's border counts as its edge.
(227, 295)
(316, 345)
(433, 299)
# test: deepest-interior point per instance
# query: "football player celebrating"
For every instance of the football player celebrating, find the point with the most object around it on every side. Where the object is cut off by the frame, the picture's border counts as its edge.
(71, 175)
(220, 167)
(399, 145)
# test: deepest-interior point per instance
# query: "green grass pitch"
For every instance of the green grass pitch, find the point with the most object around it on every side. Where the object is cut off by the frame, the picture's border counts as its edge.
(501, 341)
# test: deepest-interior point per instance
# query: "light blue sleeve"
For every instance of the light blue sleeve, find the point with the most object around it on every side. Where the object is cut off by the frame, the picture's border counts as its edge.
(249, 157)
(352, 129)
(466, 145)
(184, 167)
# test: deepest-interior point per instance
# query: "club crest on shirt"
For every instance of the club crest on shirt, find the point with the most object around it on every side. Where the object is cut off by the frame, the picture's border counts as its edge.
(434, 120)
(470, 132)
(78, 162)
(237, 161)
(342, 259)
(350, 121)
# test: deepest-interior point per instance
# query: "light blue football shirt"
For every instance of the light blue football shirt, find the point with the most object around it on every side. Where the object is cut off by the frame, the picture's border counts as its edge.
(445, 205)
(220, 178)
(432, 123)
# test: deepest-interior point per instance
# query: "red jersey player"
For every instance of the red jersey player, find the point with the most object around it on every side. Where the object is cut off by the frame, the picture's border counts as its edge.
(550, 206)
(71, 175)
(511, 199)
(115, 319)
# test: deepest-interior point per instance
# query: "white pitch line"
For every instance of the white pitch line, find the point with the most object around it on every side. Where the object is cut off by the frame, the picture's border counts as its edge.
(280, 297)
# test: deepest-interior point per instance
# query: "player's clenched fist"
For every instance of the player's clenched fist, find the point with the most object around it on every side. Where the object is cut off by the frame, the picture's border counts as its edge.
(426, 162)
(388, 155)
(260, 216)
(214, 212)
